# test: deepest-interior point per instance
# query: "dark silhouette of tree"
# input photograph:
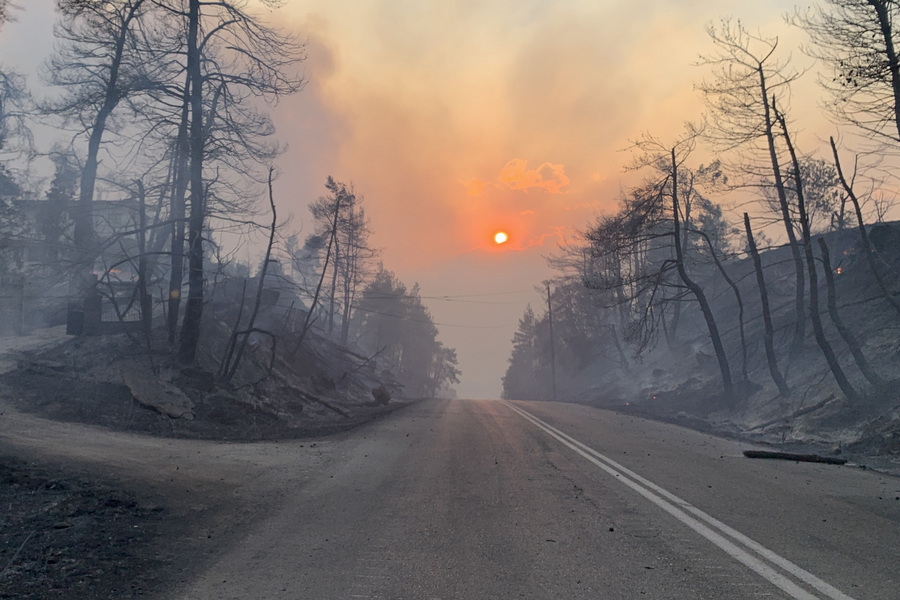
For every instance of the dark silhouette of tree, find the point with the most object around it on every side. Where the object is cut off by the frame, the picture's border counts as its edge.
(747, 76)
(857, 39)
(694, 287)
(520, 381)
(737, 295)
(13, 227)
(863, 233)
(445, 369)
(391, 321)
(768, 329)
(60, 197)
(814, 310)
(193, 313)
(699, 214)
(845, 332)
(177, 195)
(668, 164)
(192, 74)
(331, 215)
(339, 195)
(354, 255)
(629, 257)
(255, 61)
(15, 137)
(15, 106)
(236, 348)
(823, 197)
(98, 66)
(341, 218)
(585, 345)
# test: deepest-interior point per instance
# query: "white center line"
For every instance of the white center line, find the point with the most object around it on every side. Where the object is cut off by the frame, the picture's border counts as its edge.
(679, 509)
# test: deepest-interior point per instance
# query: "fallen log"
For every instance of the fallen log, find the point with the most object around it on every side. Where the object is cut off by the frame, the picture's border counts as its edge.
(814, 458)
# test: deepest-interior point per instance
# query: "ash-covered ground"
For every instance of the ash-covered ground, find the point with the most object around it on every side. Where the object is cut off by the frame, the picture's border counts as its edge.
(69, 532)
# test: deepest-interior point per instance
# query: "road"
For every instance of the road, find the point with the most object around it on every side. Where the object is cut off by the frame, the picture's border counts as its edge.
(472, 499)
(485, 499)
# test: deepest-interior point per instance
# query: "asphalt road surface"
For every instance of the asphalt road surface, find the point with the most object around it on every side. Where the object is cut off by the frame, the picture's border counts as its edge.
(468, 499)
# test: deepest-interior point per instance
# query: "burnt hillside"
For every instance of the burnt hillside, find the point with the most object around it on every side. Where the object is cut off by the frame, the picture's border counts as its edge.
(677, 377)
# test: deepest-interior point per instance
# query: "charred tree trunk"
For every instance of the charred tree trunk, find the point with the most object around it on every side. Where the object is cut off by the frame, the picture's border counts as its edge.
(799, 306)
(769, 336)
(721, 357)
(845, 332)
(84, 222)
(315, 300)
(819, 332)
(348, 299)
(349, 275)
(193, 314)
(623, 360)
(662, 318)
(232, 339)
(334, 278)
(177, 212)
(737, 297)
(621, 299)
(146, 302)
(230, 370)
(863, 234)
(676, 311)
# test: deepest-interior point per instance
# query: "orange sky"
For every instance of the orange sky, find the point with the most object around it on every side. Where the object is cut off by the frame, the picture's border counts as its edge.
(455, 118)
(459, 118)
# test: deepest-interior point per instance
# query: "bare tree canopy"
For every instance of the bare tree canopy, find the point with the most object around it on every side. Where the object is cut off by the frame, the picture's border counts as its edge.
(741, 99)
(15, 104)
(857, 40)
(258, 62)
(746, 73)
(98, 66)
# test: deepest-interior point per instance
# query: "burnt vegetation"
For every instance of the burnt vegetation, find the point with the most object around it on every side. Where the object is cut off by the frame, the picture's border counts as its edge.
(680, 305)
(163, 182)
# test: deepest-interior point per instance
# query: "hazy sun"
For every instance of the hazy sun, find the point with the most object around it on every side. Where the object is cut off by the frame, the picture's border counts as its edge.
(500, 237)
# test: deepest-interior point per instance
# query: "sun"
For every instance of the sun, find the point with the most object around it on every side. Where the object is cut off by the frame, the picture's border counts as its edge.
(501, 237)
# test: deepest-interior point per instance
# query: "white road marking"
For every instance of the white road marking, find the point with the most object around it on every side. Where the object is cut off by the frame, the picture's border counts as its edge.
(679, 509)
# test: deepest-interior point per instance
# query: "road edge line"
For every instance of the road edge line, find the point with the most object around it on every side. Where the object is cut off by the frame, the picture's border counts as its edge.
(680, 508)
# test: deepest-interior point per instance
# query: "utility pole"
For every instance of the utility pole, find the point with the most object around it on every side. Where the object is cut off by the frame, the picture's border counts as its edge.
(552, 350)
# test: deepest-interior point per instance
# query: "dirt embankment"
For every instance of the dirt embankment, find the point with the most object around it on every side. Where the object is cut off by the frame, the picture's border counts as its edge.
(680, 380)
(102, 500)
(113, 382)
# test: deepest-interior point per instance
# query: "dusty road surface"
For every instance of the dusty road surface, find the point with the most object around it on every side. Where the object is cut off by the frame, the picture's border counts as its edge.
(486, 499)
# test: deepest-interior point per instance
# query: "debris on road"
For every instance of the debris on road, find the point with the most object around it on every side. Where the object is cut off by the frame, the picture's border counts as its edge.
(815, 458)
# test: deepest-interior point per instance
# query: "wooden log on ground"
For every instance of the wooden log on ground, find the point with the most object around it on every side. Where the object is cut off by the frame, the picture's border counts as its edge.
(815, 458)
